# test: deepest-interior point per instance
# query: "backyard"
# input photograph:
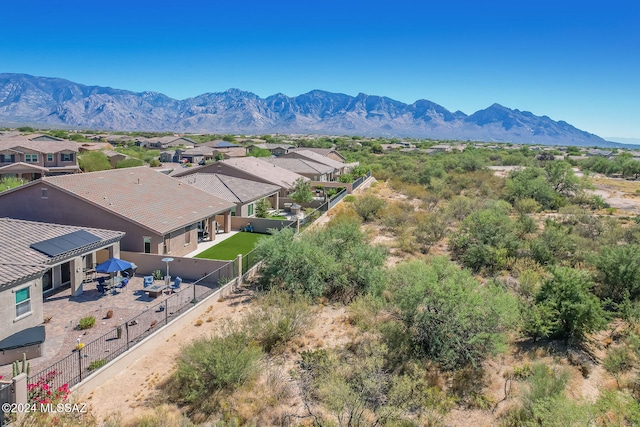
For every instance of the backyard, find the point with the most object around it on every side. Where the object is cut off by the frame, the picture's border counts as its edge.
(240, 243)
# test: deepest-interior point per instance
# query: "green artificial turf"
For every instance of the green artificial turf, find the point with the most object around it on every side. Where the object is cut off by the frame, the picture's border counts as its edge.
(240, 243)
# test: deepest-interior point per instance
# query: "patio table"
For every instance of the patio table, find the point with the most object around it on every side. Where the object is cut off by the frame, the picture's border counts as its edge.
(155, 290)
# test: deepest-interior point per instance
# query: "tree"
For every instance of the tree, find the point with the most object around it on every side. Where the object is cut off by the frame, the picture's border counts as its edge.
(262, 208)
(302, 193)
(562, 178)
(568, 293)
(92, 161)
(529, 183)
(259, 152)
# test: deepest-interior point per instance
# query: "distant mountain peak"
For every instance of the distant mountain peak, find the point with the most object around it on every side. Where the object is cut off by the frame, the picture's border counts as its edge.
(57, 102)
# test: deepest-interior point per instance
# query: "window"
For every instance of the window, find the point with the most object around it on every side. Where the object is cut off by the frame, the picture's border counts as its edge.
(30, 158)
(23, 302)
(250, 209)
(66, 157)
(45, 193)
(147, 245)
(233, 211)
(49, 157)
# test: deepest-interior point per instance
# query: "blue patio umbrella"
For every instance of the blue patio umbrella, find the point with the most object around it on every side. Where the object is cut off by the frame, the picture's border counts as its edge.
(112, 265)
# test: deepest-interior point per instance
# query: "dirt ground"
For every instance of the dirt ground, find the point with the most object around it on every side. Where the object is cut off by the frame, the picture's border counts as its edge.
(133, 387)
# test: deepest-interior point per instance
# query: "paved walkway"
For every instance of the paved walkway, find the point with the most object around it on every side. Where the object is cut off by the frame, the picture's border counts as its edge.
(203, 246)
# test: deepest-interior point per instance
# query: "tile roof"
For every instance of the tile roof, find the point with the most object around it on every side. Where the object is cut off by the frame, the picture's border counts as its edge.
(322, 151)
(312, 155)
(45, 146)
(300, 166)
(18, 261)
(264, 170)
(232, 189)
(143, 196)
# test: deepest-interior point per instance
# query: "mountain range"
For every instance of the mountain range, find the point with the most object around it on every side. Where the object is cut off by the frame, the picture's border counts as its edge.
(55, 102)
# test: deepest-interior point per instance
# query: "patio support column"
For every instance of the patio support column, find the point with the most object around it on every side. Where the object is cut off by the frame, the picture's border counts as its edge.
(77, 276)
(227, 222)
(114, 250)
(211, 227)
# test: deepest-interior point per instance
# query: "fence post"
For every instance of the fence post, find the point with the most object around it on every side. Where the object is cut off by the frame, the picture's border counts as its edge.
(80, 362)
(126, 328)
(19, 389)
(239, 272)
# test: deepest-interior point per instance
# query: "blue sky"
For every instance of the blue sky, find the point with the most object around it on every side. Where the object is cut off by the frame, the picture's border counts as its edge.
(569, 60)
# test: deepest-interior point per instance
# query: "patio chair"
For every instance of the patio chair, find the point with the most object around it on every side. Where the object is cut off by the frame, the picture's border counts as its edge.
(122, 284)
(100, 288)
(148, 281)
(176, 284)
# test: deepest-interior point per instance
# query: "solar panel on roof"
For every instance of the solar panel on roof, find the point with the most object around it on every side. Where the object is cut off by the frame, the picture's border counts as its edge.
(68, 242)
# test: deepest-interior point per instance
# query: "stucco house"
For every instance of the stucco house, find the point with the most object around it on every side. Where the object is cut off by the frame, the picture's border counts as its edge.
(312, 170)
(159, 214)
(250, 168)
(243, 192)
(308, 154)
(36, 258)
(30, 157)
(326, 152)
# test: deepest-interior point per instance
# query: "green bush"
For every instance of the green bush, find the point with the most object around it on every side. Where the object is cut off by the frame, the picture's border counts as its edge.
(351, 198)
(368, 206)
(209, 366)
(87, 322)
(96, 364)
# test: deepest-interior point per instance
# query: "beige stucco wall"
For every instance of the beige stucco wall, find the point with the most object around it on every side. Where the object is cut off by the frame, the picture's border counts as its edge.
(8, 323)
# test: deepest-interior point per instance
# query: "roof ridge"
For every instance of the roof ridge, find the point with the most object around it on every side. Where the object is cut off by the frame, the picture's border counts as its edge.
(228, 188)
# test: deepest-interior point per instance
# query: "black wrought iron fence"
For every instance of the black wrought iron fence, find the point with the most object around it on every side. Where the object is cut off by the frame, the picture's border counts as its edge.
(91, 356)
(5, 397)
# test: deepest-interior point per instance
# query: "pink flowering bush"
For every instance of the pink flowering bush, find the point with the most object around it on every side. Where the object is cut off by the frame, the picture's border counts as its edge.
(42, 391)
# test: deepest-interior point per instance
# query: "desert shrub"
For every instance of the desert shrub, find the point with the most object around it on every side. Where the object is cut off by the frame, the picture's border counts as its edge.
(87, 322)
(619, 273)
(460, 207)
(526, 206)
(574, 311)
(451, 319)
(543, 402)
(618, 361)
(336, 262)
(396, 214)
(431, 227)
(160, 416)
(368, 206)
(485, 239)
(349, 199)
(277, 318)
(209, 366)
